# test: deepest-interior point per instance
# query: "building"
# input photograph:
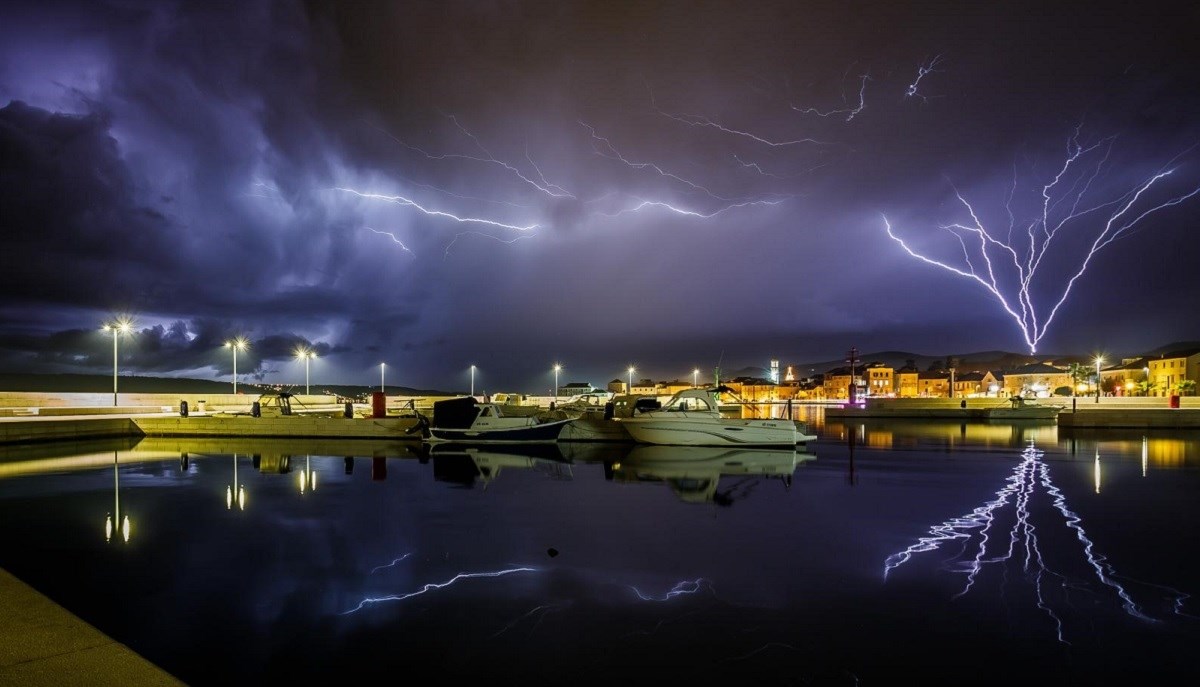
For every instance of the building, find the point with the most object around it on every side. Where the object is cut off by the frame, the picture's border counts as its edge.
(1036, 379)
(880, 379)
(1168, 370)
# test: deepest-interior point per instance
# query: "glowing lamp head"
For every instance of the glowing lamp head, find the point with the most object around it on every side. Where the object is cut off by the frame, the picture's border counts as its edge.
(238, 344)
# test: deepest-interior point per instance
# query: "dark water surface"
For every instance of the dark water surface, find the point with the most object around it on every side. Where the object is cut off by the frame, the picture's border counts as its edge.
(917, 553)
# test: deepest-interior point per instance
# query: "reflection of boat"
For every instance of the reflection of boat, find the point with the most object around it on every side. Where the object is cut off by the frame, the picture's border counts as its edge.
(694, 472)
(692, 417)
(467, 420)
(464, 464)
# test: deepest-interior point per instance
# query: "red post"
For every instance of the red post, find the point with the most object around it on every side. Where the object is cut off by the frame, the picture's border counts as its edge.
(378, 404)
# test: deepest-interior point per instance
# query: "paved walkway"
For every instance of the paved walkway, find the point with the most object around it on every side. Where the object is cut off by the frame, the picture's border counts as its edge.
(41, 643)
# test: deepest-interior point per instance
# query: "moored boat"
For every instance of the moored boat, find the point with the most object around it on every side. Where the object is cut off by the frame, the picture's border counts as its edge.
(469, 421)
(692, 417)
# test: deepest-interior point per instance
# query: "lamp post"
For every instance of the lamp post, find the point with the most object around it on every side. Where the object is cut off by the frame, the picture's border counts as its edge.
(557, 367)
(695, 378)
(237, 344)
(117, 328)
(381, 384)
(472, 380)
(631, 369)
(305, 355)
(1098, 361)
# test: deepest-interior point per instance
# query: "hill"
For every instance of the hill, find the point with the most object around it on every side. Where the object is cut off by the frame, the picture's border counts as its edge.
(163, 385)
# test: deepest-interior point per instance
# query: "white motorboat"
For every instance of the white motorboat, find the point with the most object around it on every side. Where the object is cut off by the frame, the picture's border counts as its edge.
(692, 417)
(469, 421)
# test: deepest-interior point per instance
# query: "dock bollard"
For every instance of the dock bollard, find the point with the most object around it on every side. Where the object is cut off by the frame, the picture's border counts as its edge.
(256, 409)
(183, 409)
(349, 412)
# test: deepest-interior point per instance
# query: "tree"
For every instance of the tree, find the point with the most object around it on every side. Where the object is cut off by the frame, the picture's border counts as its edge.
(1145, 387)
(1079, 373)
(1186, 387)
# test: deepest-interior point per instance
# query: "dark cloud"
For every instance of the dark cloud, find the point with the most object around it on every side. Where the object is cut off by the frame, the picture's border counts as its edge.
(581, 182)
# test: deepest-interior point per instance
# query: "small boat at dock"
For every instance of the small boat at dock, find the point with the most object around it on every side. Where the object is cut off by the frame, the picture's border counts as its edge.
(466, 420)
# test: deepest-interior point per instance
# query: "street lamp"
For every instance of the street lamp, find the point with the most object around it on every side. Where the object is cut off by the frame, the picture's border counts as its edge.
(117, 328)
(631, 369)
(557, 367)
(306, 355)
(1098, 361)
(237, 344)
(472, 380)
(695, 378)
(381, 385)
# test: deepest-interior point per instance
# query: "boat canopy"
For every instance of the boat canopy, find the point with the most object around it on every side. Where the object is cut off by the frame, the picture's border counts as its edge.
(455, 413)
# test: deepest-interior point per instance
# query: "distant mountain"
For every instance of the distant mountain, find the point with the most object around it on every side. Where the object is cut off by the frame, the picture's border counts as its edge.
(166, 385)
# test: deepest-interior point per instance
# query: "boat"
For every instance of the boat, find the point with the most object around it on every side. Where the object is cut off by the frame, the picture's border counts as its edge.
(692, 417)
(466, 420)
(694, 472)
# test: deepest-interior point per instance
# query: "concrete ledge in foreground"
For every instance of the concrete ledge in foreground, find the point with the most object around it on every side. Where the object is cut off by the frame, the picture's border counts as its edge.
(1139, 418)
(41, 643)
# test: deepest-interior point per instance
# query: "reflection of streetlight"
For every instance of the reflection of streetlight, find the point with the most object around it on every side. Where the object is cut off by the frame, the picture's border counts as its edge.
(1098, 361)
(238, 344)
(631, 369)
(557, 367)
(308, 478)
(114, 519)
(695, 378)
(238, 489)
(121, 326)
(472, 380)
(305, 354)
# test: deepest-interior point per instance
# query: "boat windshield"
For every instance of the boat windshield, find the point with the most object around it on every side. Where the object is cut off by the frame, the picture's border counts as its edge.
(690, 403)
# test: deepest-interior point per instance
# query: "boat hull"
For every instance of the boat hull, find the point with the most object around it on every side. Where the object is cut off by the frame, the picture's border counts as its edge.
(703, 432)
(544, 432)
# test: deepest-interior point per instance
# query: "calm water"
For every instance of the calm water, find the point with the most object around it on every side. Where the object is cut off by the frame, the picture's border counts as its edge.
(924, 553)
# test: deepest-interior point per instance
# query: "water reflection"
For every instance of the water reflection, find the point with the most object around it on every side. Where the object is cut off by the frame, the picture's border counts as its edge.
(694, 473)
(113, 520)
(560, 544)
(1008, 531)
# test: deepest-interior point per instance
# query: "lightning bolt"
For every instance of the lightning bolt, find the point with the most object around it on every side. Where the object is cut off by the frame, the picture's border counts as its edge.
(369, 601)
(681, 588)
(394, 239)
(604, 148)
(401, 200)
(460, 234)
(1007, 268)
(545, 187)
(390, 565)
(850, 112)
(1022, 546)
(642, 204)
(923, 70)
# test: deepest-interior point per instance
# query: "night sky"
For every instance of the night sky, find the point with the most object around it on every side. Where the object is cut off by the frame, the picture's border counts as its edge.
(672, 186)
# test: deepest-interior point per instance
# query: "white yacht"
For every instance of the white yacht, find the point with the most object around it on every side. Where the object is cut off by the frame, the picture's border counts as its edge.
(692, 417)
